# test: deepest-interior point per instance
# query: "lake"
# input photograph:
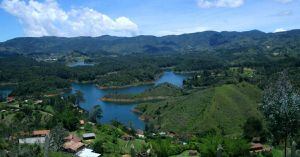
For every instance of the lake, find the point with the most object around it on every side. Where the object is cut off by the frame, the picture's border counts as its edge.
(120, 112)
(79, 63)
(5, 91)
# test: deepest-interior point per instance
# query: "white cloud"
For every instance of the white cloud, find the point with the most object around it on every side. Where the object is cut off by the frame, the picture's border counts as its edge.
(48, 19)
(220, 3)
(279, 30)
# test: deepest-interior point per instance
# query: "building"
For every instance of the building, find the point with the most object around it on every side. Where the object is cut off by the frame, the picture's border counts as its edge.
(73, 146)
(140, 133)
(73, 143)
(32, 140)
(256, 147)
(10, 99)
(40, 133)
(127, 137)
(81, 122)
(72, 137)
(87, 153)
(88, 136)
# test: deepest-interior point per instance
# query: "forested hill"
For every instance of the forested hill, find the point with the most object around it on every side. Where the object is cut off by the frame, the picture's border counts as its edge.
(250, 41)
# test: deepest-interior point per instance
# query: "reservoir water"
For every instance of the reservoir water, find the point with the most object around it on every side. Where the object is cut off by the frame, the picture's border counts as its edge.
(5, 91)
(120, 112)
(79, 63)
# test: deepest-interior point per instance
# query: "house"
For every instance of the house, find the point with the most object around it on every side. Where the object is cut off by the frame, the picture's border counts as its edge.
(256, 147)
(40, 133)
(88, 136)
(73, 143)
(87, 153)
(162, 133)
(127, 137)
(140, 133)
(171, 134)
(32, 140)
(73, 146)
(10, 99)
(72, 137)
(81, 122)
(38, 102)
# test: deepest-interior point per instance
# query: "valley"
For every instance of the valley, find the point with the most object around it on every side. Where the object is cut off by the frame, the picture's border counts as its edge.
(188, 94)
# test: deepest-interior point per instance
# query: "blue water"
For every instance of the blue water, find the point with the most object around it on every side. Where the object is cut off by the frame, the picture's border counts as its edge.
(120, 112)
(172, 78)
(79, 63)
(5, 91)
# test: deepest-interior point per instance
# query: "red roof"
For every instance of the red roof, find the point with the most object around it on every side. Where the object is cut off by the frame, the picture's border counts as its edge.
(40, 132)
(256, 146)
(73, 146)
(72, 137)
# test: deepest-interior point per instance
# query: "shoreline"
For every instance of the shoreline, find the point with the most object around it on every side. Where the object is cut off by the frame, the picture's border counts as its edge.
(133, 100)
(145, 83)
(125, 86)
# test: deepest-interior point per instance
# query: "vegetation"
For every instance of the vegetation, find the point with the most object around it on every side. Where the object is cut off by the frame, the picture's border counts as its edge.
(217, 107)
(224, 109)
(281, 107)
(159, 92)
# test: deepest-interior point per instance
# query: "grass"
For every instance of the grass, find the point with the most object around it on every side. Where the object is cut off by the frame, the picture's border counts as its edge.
(224, 109)
(184, 154)
(110, 137)
(59, 154)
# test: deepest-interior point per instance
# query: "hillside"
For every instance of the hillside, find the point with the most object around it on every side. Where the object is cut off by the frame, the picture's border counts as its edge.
(233, 42)
(159, 92)
(224, 108)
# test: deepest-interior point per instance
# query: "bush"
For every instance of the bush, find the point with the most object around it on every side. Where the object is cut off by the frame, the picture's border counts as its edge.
(231, 147)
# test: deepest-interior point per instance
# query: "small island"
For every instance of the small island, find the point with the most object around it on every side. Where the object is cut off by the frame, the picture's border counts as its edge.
(156, 93)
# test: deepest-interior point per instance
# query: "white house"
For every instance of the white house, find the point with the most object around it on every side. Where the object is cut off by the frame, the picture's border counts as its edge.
(87, 153)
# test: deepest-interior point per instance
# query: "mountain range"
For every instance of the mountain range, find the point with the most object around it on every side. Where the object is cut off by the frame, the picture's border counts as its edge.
(207, 41)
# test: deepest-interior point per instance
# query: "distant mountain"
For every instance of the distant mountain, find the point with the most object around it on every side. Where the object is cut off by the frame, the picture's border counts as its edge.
(202, 41)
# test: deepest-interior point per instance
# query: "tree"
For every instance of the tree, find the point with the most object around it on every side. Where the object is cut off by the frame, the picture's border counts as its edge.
(253, 128)
(78, 97)
(95, 113)
(98, 147)
(56, 138)
(211, 144)
(132, 151)
(281, 107)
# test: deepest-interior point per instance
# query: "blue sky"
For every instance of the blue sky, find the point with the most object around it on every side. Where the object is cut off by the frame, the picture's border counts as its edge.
(143, 17)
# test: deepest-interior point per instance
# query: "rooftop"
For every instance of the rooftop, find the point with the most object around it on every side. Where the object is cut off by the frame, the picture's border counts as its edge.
(32, 140)
(40, 132)
(87, 135)
(73, 146)
(87, 153)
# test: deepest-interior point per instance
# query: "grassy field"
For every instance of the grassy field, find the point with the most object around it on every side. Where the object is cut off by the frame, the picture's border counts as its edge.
(224, 109)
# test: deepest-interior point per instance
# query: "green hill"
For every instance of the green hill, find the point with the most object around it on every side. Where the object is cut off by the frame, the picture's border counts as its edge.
(224, 109)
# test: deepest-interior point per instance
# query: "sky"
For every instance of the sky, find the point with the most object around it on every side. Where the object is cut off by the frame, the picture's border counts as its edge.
(70, 18)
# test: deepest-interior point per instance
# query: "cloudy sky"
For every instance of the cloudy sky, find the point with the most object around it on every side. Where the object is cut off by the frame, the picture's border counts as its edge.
(143, 17)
